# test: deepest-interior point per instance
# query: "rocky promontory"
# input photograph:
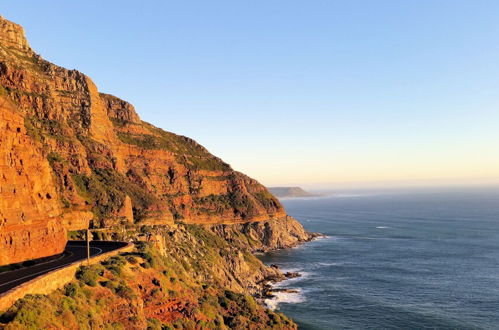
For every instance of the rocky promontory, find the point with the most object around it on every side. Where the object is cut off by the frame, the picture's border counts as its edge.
(73, 158)
(290, 192)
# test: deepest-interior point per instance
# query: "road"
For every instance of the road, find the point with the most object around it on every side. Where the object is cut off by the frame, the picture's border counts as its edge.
(75, 251)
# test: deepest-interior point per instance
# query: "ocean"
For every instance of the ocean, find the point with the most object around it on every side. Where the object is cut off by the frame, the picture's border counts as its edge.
(422, 259)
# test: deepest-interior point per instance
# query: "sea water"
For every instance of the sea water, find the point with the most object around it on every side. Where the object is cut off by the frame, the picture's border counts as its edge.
(425, 259)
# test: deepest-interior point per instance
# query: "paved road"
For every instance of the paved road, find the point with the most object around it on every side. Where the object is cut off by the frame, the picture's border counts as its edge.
(74, 251)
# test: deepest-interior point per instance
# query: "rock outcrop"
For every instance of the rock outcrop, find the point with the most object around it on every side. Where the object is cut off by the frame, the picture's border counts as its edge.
(265, 236)
(101, 165)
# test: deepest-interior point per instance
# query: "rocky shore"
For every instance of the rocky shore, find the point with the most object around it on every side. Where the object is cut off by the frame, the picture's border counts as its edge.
(182, 276)
(281, 233)
(268, 286)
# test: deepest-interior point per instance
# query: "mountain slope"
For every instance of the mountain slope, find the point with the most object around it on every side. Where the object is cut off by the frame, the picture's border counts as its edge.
(99, 163)
(286, 192)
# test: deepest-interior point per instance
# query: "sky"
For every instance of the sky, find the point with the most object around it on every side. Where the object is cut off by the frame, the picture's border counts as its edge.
(310, 93)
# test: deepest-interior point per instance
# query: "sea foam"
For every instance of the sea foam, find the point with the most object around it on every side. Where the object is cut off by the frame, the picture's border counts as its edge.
(284, 297)
(294, 297)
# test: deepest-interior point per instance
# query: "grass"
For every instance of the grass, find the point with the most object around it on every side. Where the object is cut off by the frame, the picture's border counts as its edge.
(267, 200)
(218, 204)
(188, 151)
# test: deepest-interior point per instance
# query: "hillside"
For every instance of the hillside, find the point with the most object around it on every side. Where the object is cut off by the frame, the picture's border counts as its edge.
(183, 278)
(72, 158)
(289, 192)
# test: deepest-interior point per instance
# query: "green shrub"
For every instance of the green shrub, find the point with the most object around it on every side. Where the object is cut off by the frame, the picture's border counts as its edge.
(120, 288)
(31, 311)
(154, 324)
(53, 157)
(111, 285)
(39, 128)
(76, 235)
(124, 291)
(68, 305)
(132, 260)
(115, 264)
(72, 290)
(89, 275)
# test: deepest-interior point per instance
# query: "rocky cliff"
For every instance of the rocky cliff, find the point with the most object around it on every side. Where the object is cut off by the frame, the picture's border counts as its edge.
(72, 157)
(30, 214)
(264, 236)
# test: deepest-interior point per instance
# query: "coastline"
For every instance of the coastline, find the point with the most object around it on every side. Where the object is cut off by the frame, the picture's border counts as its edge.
(273, 290)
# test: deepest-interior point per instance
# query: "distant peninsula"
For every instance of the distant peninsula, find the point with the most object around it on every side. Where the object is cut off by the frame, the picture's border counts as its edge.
(290, 192)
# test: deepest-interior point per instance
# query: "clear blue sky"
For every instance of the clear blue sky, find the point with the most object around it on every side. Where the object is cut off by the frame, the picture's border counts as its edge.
(297, 92)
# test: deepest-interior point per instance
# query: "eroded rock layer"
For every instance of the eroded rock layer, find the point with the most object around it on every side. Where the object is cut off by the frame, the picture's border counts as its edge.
(29, 208)
(102, 165)
(263, 236)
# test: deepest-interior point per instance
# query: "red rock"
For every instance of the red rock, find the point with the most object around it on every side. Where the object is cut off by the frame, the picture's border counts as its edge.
(98, 156)
(30, 224)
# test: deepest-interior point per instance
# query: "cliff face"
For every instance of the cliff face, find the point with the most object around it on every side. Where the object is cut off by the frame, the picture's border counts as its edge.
(264, 236)
(99, 163)
(30, 223)
(73, 158)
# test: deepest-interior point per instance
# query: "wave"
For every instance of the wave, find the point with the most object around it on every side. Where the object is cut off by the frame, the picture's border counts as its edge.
(328, 264)
(383, 227)
(284, 297)
(287, 282)
(295, 296)
(322, 237)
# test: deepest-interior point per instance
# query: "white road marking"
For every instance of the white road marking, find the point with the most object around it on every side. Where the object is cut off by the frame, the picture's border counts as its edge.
(63, 255)
(50, 269)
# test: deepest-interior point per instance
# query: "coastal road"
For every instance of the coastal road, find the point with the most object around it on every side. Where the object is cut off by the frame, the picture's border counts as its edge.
(75, 251)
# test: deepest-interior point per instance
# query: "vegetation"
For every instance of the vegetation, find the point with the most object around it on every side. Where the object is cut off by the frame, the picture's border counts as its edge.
(89, 275)
(188, 152)
(40, 128)
(77, 235)
(53, 157)
(115, 264)
(218, 204)
(197, 281)
(106, 190)
(120, 123)
(152, 289)
(267, 200)
(28, 60)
